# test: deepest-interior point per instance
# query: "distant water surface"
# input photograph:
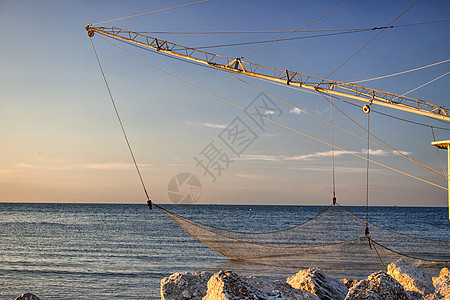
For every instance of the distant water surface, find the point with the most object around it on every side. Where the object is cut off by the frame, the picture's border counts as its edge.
(109, 251)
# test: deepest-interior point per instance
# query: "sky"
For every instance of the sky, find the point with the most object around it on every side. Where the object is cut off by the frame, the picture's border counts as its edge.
(61, 140)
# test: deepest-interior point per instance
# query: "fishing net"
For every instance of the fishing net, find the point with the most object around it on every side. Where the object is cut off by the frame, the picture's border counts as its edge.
(335, 239)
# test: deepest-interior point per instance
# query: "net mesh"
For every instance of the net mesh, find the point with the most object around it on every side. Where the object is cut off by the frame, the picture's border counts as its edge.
(333, 240)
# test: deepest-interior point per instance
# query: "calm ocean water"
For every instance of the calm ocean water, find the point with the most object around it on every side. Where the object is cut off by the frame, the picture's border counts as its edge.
(106, 251)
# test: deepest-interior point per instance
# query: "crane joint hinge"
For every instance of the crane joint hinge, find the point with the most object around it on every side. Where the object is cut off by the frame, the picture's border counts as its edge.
(235, 64)
(89, 30)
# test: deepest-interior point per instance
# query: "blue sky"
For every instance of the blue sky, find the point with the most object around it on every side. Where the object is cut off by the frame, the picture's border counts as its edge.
(61, 141)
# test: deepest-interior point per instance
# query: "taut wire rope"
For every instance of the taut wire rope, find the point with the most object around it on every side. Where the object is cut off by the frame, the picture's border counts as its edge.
(387, 229)
(299, 89)
(387, 147)
(284, 31)
(297, 29)
(399, 73)
(121, 125)
(272, 121)
(331, 32)
(426, 83)
(367, 166)
(402, 119)
(397, 252)
(367, 232)
(151, 12)
(437, 150)
(332, 154)
(280, 40)
(378, 254)
(409, 73)
(367, 191)
(370, 41)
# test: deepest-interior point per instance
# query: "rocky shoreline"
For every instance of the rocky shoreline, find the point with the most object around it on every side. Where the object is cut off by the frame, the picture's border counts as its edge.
(401, 281)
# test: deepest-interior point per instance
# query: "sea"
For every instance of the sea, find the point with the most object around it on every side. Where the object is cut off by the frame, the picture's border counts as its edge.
(122, 251)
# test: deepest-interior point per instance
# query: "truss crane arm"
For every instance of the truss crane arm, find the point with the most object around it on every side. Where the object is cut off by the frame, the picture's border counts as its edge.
(236, 65)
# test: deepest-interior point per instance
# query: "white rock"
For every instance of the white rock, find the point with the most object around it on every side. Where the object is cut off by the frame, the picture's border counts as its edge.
(411, 278)
(443, 271)
(317, 282)
(349, 283)
(186, 294)
(378, 286)
(287, 291)
(227, 285)
(27, 296)
(185, 285)
(442, 287)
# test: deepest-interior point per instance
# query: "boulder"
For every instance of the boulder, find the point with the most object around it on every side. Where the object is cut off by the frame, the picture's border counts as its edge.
(413, 295)
(410, 277)
(349, 283)
(379, 285)
(227, 285)
(442, 287)
(287, 291)
(185, 285)
(317, 282)
(443, 271)
(27, 296)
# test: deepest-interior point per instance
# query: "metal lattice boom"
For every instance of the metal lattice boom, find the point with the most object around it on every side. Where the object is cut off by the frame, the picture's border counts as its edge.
(326, 86)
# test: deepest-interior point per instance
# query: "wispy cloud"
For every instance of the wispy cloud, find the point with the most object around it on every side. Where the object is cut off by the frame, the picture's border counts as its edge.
(24, 166)
(207, 124)
(250, 176)
(316, 155)
(295, 110)
(46, 166)
(363, 152)
(298, 111)
(111, 166)
(261, 157)
(381, 152)
(376, 152)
